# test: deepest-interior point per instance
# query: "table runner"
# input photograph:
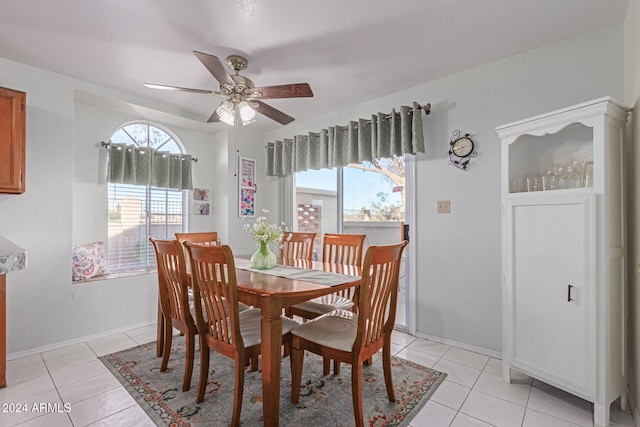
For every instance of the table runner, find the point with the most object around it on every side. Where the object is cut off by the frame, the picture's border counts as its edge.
(314, 276)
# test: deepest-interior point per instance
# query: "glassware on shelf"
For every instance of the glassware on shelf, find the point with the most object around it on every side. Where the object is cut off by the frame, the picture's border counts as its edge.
(579, 167)
(577, 173)
(550, 180)
(534, 182)
(560, 170)
(570, 176)
(588, 173)
(514, 185)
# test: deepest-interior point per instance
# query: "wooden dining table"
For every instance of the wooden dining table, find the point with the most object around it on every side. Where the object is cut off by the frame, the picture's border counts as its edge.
(271, 294)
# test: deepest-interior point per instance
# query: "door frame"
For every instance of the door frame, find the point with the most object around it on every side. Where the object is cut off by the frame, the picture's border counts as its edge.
(410, 257)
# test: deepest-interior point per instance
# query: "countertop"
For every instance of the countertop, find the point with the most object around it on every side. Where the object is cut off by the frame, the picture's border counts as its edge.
(12, 256)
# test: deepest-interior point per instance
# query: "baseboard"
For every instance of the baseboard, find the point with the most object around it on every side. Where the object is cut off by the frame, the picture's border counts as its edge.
(66, 343)
(475, 349)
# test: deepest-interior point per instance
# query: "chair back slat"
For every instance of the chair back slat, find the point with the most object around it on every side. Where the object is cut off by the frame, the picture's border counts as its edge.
(297, 245)
(343, 249)
(214, 285)
(172, 279)
(203, 238)
(378, 293)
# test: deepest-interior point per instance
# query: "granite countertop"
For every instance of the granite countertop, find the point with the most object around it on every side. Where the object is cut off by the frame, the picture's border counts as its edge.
(12, 256)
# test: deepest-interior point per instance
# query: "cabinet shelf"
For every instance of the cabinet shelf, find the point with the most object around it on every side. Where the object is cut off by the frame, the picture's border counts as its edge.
(538, 194)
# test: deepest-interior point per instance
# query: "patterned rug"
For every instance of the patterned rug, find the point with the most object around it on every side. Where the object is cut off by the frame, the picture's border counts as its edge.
(324, 401)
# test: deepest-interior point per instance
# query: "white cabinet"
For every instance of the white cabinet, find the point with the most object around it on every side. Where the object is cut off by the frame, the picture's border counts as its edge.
(564, 252)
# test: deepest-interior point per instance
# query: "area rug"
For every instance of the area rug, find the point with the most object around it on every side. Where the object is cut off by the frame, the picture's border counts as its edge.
(325, 399)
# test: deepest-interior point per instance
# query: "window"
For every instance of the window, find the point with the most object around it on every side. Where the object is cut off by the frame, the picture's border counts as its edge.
(139, 212)
(353, 199)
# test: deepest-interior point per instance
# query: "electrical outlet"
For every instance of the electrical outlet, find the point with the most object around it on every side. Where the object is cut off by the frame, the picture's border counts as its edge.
(444, 206)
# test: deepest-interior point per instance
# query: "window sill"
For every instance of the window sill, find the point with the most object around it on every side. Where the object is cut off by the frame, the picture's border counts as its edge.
(118, 275)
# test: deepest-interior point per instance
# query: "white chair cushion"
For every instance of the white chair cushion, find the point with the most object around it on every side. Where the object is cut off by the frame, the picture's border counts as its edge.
(326, 304)
(336, 329)
(250, 326)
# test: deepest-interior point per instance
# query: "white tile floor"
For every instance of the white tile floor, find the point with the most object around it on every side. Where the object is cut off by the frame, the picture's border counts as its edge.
(472, 395)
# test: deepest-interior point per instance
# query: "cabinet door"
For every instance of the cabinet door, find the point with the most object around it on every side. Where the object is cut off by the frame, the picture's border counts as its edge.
(551, 268)
(12, 141)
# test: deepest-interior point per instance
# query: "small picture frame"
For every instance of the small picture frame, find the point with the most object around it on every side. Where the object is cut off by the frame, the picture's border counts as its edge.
(246, 187)
(201, 208)
(201, 194)
(247, 202)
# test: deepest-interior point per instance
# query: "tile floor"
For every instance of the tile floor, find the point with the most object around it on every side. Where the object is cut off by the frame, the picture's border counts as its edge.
(472, 395)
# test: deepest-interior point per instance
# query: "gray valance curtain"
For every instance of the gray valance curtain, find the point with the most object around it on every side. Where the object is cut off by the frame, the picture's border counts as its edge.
(131, 164)
(385, 135)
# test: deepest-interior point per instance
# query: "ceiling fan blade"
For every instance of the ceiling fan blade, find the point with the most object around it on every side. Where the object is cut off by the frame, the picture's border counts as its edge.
(294, 90)
(271, 112)
(215, 67)
(182, 89)
(214, 117)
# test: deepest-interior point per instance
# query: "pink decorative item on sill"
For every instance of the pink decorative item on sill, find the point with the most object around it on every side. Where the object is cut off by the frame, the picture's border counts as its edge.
(89, 261)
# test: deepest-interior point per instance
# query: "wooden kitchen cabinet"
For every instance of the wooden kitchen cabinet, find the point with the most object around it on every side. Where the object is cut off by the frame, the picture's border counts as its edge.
(12, 140)
(564, 293)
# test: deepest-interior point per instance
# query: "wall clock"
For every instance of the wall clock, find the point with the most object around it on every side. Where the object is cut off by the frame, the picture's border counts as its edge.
(461, 150)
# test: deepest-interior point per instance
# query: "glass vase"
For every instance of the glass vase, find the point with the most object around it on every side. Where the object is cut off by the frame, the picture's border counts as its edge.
(263, 258)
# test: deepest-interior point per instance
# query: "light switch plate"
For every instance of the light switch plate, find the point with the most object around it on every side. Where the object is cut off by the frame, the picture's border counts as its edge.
(444, 206)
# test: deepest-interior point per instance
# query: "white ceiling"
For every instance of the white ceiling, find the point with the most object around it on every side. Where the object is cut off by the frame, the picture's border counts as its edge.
(349, 51)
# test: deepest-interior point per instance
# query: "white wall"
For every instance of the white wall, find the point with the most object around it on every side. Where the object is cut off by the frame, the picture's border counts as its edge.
(459, 258)
(632, 97)
(65, 204)
(249, 143)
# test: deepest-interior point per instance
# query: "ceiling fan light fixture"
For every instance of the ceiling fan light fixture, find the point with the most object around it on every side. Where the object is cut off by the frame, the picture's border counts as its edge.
(226, 112)
(239, 89)
(247, 114)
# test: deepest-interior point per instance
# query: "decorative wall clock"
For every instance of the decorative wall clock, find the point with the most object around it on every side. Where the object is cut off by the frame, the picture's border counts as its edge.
(461, 150)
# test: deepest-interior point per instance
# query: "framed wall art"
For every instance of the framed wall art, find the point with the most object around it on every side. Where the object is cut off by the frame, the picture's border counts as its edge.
(246, 187)
(201, 194)
(201, 208)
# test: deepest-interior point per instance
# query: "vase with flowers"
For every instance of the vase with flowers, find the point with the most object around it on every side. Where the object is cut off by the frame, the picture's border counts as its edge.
(264, 233)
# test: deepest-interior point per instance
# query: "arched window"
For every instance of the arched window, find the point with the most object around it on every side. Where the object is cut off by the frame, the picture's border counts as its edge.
(137, 212)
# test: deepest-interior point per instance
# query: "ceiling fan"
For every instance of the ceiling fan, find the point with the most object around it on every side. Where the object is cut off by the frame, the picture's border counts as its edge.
(243, 98)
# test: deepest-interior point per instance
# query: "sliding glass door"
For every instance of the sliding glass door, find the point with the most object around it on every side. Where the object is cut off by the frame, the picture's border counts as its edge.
(369, 198)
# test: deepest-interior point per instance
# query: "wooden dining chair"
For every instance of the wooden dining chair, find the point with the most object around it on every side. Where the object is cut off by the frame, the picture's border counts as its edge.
(174, 302)
(297, 245)
(206, 238)
(351, 337)
(342, 249)
(237, 335)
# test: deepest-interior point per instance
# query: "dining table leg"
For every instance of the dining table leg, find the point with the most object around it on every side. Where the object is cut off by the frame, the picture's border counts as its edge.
(271, 335)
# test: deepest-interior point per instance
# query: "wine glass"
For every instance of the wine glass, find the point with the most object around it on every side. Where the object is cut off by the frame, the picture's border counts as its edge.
(579, 169)
(550, 180)
(560, 170)
(588, 173)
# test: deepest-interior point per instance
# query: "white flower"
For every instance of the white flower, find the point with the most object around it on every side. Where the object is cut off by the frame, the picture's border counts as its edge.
(263, 232)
